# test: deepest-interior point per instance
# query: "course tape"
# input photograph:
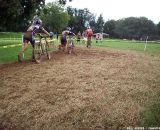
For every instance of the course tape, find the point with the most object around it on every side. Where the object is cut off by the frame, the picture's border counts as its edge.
(14, 45)
(9, 46)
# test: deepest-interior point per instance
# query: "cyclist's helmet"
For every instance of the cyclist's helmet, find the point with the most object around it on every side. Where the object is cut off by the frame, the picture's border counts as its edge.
(37, 22)
(51, 34)
(68, 28)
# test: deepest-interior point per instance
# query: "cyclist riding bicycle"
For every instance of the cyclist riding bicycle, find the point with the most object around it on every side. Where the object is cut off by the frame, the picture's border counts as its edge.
(89, 32)
(29, 37)
(64, 35)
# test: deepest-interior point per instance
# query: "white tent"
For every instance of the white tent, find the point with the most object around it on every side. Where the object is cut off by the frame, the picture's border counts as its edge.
(104, 35)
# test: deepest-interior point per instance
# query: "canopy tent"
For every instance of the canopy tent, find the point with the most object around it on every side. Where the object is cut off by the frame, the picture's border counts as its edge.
(104, 35)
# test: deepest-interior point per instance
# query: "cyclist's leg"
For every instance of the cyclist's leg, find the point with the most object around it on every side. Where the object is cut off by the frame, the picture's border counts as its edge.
(33, 49)
(24, 48)
(33, 53)
(89, 42)
(60, 46)
(36, 51)
(63, 43)
(64, 46)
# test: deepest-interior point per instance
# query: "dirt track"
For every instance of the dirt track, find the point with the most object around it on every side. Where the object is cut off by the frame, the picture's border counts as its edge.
(95, 89)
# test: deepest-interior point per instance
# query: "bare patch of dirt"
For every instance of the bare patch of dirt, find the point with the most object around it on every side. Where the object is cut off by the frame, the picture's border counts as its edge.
(93, 89)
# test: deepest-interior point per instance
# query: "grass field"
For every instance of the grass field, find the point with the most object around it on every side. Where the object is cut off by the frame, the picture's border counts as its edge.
(10, 54)
(152, 48)
(113, 85)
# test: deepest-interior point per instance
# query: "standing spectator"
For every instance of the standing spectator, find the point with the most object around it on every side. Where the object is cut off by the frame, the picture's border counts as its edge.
(97, 37)
(84, 37)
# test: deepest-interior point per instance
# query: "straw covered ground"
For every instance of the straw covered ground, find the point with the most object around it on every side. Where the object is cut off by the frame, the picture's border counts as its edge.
(93, 89)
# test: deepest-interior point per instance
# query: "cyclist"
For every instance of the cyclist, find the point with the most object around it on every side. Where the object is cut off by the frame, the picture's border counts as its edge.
(64, 35)
(29, 37)
(78, 37)
(89, 36)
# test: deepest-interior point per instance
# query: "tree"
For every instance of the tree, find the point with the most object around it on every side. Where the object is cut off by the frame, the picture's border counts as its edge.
(64, 1)
(54, 17)
(99, 25)
(14, 14)
(78, 17)
(134, 27)
(158, 28)
(109, 27)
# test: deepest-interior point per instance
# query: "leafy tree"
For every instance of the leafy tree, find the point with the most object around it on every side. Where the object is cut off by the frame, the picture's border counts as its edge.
(14, 14)
(78, 17)
(64, 1)
(99, 24)
(54, 17)
(134, 27)
(109, 27)
(158, 28)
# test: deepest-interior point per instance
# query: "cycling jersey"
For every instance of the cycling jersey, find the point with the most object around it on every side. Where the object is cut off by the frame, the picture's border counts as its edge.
(29, 35)
(64, 36)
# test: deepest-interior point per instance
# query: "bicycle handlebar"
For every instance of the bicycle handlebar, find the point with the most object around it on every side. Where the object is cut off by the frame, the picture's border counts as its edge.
(42, 35)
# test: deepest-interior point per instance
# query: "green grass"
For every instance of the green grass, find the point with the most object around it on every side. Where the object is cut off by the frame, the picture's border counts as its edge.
(9, 42)
(8, 55)
(150, 115)
(10, 34)
(152, 48)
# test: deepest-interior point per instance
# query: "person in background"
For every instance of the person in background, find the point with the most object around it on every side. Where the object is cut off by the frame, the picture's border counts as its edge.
(84, 37)
(79, 37)
(97, 37)
(89, 36)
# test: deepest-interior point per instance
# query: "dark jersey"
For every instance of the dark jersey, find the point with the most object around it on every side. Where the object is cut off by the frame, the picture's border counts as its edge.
(34, 28)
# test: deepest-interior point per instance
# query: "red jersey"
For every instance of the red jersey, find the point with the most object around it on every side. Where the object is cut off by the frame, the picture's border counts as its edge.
(89, 33)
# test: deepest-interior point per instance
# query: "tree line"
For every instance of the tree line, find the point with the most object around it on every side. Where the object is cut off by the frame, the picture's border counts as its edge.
(16, 15)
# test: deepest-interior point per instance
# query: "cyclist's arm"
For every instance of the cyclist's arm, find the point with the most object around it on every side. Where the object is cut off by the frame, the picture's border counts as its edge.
(73, 34)
(45, 31)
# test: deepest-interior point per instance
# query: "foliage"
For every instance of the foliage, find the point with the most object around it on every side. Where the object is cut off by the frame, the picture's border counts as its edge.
(136, 28)
(64, 1)
(99, 24)
(15, 14)
(54, 17)
(158, 28)
(78, 17)
(109, 28)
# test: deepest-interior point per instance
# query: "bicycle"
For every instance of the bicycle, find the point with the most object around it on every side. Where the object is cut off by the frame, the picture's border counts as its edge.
(70, 45)
(41, 48)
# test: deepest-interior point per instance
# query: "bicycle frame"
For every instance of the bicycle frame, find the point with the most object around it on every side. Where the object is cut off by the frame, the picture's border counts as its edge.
(41, 48)
(70, 44)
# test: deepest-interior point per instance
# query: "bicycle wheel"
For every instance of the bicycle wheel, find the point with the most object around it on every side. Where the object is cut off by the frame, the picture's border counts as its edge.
(46, 48)
(43, 47)
(38, 52)
(70, 46)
